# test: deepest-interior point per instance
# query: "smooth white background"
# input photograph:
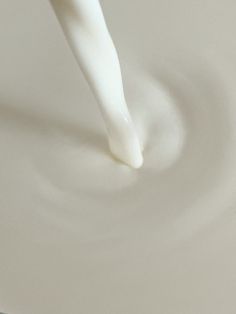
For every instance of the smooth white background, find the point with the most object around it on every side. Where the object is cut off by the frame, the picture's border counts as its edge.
(80, 233)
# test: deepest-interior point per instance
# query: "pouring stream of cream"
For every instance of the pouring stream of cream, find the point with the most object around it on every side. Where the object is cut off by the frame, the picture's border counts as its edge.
(85, 29)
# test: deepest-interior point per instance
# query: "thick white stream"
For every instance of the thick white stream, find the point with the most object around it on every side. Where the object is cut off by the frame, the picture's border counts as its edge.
(86, 31)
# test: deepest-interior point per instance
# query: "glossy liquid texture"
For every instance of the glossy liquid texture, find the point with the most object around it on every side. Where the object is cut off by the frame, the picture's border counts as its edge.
(86, 31)
(81, 233)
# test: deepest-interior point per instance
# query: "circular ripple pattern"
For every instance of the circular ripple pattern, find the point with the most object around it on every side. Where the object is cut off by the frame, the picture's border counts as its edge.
(183, 122)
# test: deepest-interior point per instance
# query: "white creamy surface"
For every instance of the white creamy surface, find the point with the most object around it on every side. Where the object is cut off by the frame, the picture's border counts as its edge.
(82, 233)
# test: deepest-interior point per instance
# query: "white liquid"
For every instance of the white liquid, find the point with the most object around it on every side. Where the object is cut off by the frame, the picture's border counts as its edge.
(87, 34)
(83, 233)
